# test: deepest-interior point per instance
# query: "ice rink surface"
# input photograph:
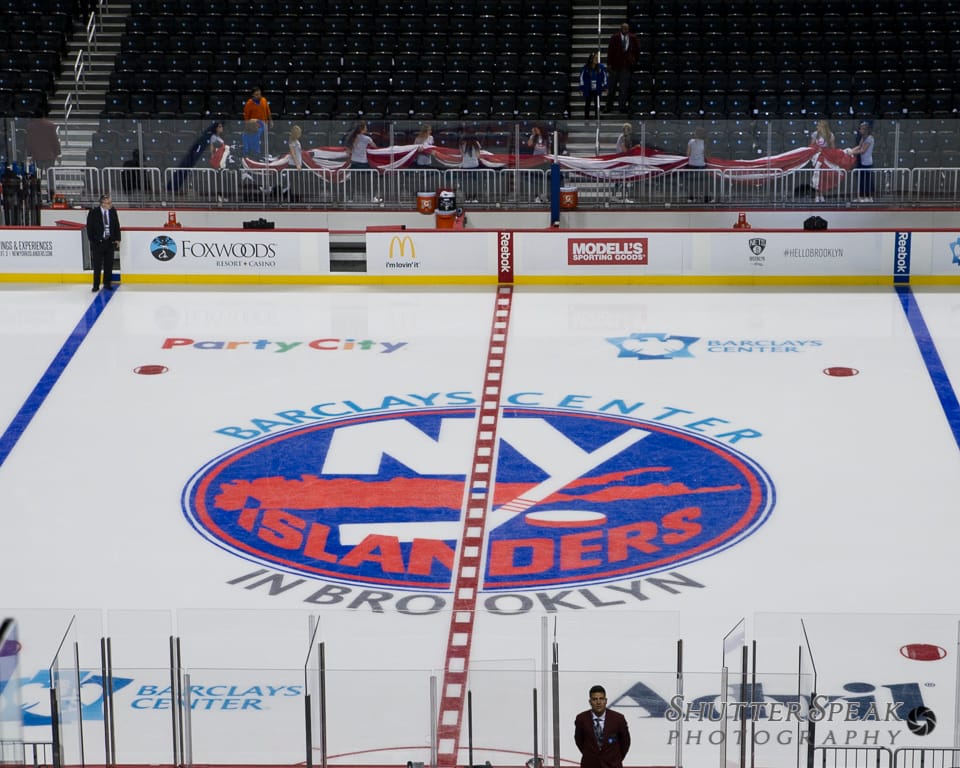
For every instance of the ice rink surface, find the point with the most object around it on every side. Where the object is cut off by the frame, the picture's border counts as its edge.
(864, 466)
(705, 454)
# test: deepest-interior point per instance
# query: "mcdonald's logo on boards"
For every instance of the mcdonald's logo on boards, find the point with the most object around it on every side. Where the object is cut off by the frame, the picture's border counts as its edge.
(402, 253)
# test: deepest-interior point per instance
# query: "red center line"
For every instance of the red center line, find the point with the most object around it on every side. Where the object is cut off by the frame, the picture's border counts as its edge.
(466, 580)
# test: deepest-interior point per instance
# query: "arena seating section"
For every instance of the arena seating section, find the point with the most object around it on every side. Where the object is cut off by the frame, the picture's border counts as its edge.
(324, 59)
(332, 61)
(791, 58)
(33, 41)
(511, 58)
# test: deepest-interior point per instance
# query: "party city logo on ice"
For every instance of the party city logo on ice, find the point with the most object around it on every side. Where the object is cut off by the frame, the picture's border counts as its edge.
(275, 346)
(665, 346)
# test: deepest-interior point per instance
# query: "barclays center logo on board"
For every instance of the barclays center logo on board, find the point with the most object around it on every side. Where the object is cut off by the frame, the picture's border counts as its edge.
(578, 496)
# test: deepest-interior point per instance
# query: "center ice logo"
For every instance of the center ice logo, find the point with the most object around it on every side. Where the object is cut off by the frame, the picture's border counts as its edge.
(577, 498)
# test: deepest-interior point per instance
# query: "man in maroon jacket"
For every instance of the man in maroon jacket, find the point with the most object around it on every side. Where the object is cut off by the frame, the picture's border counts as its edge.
(601, 734)
(623, 53)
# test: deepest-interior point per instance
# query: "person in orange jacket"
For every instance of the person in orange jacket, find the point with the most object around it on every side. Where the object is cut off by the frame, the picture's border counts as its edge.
(258, 108)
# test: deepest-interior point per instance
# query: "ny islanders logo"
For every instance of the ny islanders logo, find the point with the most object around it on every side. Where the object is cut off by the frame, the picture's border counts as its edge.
(382, 499)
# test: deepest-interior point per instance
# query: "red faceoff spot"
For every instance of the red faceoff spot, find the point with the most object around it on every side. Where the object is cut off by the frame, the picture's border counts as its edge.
(923, 652)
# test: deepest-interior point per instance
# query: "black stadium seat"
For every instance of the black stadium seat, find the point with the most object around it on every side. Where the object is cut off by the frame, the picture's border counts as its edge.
(321, 105)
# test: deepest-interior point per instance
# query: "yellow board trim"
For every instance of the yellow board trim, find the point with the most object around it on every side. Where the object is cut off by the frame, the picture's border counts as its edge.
(354, 278)
(43, 277)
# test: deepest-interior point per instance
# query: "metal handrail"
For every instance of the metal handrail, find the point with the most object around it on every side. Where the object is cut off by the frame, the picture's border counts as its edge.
(39, 754)
(831, 756)
(510, 187)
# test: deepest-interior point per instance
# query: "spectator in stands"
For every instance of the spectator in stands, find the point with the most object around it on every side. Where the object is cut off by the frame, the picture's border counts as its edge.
(219, 157)
(43, 144)
(821, 138)
(593, 82)
(625, 139)
(864, 153)
(358, 142)
(293, 144)
(470, 161)
(219, 149)
(258, 108)
(424, 139)
(697, 166)
(623, 53)
(130, 179)
(253, 139)
(537, 143)
(469, 152)
(624, 145)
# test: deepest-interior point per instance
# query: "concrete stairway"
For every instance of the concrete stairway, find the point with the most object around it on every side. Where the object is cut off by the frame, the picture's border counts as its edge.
(97, 56)
(587, 138)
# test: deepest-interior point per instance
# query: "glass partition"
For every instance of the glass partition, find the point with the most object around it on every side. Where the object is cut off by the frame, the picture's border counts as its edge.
(11, 718)
(314, 689)
(646, 697)
(882, 680)
(257, 639)
(777, 719)
(762, 722)
(139, 636)
(139, 646)
(65, 699)
(378, 717)
(142, 727)
(415, 641)
(248, 716)
(306, 162)
(631, 639)
(41, 634)
(501, 709)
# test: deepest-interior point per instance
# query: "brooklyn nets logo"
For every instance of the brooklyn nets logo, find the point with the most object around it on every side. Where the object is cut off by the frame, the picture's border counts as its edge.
(578, 498)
